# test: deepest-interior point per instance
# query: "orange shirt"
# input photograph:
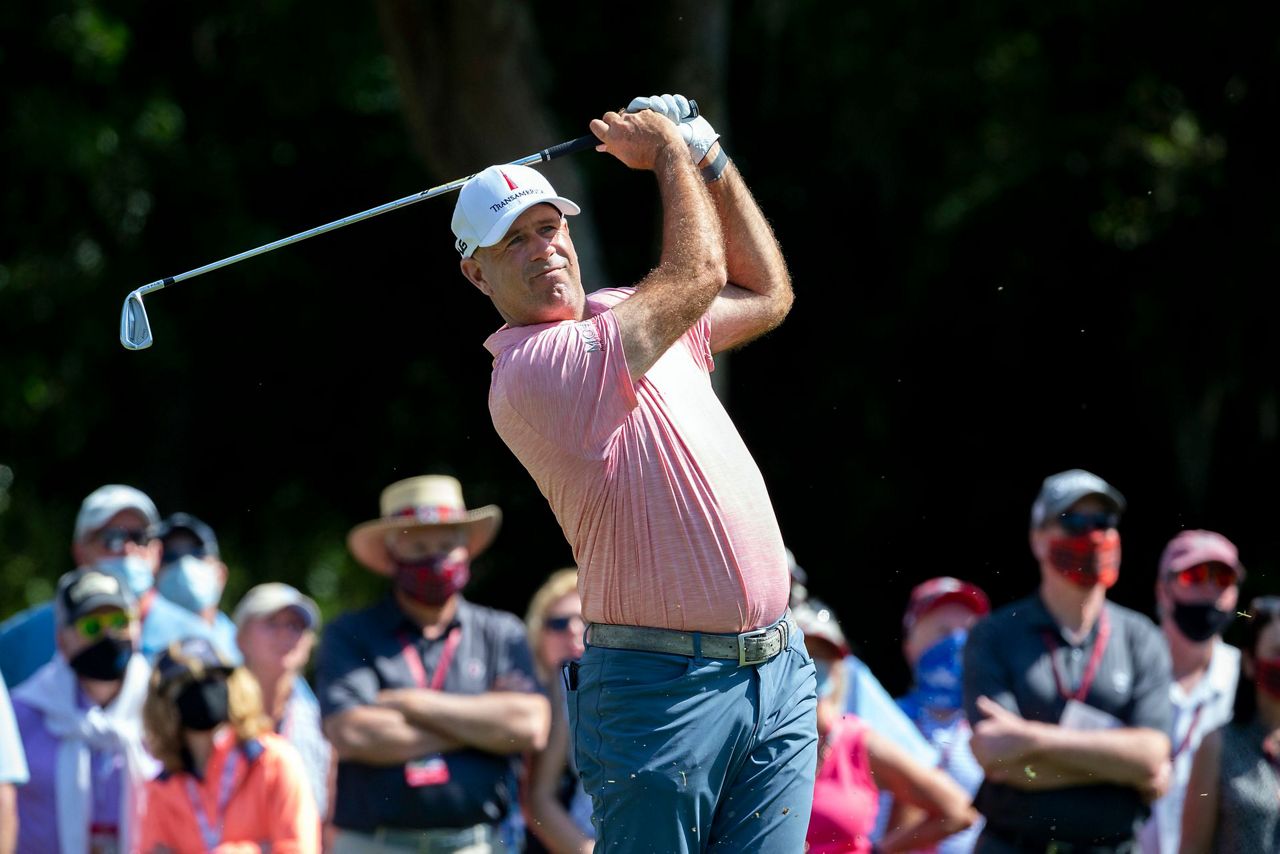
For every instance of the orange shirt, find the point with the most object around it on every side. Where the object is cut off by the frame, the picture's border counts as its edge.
(266, 798)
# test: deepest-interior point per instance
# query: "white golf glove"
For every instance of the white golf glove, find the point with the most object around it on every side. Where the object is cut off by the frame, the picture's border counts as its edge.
(697, 133)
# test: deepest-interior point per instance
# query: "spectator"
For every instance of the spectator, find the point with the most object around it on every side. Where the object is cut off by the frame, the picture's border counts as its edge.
(113, 534)
(428, 699)
(13, 773)
(193, 575)
(80, 716)
(229, 784)
(935, 626)
(855, 763)
(1197, 591)
(865, 697)
(1234, 772)
(1067, 693)
(557, 810)
(276, 630)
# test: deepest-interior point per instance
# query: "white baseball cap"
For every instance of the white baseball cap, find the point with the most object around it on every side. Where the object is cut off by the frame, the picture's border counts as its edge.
(273, 596)
(106, 501)
(492, 200)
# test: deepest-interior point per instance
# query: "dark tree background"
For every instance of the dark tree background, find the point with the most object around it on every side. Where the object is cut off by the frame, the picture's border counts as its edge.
(1023, 238)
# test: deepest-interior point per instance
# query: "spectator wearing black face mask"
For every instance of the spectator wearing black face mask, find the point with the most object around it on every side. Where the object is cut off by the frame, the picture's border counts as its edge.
(229, 783)
(80, 720)
(1197, 592)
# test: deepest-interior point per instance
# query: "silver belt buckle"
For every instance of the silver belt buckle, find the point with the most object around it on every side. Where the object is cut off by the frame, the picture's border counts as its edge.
(753, 647)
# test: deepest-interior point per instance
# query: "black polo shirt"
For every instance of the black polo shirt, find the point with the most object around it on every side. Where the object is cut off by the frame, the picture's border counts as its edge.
(1008, 659)
(364, 652)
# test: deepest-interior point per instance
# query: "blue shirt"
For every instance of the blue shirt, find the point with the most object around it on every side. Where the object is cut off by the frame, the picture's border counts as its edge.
(300, 726)
(27, 639)
(868, 699)
(13, 759)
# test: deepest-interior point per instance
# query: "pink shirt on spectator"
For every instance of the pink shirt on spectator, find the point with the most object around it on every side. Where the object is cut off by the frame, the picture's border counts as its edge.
(667, 513)
(845, 797)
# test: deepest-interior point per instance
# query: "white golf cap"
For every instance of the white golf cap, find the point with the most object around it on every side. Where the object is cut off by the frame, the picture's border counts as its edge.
(271, 597)
(106, 501)
(492, 200)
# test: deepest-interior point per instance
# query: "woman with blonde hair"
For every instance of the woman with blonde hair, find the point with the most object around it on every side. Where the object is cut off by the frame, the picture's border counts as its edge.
(557, 812)
(229, 783)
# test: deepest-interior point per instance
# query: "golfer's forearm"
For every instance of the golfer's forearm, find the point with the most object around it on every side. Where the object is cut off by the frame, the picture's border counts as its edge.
(498, 722)
(693, 257)
(378, 736)
(753, 258)
(1130, 756)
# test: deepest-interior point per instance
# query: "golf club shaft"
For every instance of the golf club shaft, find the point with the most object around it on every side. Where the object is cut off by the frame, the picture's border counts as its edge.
(543, 156)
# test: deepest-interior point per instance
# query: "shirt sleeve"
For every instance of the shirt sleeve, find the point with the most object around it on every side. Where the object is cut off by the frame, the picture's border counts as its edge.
(13, 761)
(984, 671)
(513, 661)
(1152, 670)
(345, 675)
(570, 384)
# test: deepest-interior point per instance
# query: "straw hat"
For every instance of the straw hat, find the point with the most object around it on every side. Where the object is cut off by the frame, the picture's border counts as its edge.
(429, 501)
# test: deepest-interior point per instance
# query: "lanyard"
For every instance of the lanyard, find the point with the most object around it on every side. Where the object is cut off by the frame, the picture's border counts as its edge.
(213, 835)
(414, 660)
(1090, 670)
(1186, 739)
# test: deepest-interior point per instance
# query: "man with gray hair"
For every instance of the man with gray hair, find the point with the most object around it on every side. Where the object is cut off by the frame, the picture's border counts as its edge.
(1067, 693)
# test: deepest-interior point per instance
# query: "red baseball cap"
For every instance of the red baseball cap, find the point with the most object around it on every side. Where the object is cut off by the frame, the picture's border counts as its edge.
(1193, 547)
(936, 592)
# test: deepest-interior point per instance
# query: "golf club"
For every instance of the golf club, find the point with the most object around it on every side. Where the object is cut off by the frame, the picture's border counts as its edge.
(135, 328)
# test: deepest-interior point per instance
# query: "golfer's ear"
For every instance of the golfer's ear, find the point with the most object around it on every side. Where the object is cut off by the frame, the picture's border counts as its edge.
(475, 275)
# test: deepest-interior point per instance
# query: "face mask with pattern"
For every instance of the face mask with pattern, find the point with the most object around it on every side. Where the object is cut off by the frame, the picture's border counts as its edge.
(1087, 559)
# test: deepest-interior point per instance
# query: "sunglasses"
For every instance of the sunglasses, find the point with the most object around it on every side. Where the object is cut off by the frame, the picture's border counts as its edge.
(115, 538)
(562, 624)
(1220, 574)
(1083, 523)
(93, 626)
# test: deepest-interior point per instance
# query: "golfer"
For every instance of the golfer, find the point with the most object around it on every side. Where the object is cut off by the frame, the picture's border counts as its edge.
(693, 706)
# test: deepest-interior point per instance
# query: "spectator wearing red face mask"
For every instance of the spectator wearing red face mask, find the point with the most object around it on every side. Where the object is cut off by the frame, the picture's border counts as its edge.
(428, 700)
(1067, 693)
(1236, 771)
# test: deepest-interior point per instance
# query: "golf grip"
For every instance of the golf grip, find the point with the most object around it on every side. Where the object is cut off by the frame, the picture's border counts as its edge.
(589, 141)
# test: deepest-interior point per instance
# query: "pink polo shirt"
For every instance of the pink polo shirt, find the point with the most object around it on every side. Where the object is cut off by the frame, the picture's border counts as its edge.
(666, 511)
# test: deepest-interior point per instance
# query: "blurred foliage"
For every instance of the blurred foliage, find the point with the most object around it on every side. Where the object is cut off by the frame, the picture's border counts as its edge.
(1023, 238)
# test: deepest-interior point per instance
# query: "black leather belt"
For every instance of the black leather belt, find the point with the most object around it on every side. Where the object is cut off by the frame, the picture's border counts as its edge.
(754, 647)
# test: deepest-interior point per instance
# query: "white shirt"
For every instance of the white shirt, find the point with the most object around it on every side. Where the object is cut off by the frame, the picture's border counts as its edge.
(1205, 708)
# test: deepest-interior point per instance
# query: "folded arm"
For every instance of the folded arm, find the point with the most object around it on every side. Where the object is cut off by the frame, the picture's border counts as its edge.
(946, 807)
(501, 722)
(382, 736)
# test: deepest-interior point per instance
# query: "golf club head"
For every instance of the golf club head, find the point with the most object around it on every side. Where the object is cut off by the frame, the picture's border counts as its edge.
(135, 328)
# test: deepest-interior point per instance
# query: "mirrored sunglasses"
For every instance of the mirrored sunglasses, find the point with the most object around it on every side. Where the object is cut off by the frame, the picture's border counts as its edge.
(93, 626)
(1076, 524)
(1221, 575)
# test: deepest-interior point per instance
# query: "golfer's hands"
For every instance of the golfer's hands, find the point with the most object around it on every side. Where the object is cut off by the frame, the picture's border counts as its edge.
(639, 140)
(697, 133)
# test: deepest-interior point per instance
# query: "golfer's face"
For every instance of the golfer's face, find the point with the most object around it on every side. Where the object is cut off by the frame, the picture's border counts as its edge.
(531, 274)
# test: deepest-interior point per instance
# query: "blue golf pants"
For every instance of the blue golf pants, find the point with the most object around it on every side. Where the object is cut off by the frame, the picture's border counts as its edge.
(686, 755)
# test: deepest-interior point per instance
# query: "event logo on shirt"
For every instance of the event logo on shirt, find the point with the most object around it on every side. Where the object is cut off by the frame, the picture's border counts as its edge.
(1121, 680)
(589, 336)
